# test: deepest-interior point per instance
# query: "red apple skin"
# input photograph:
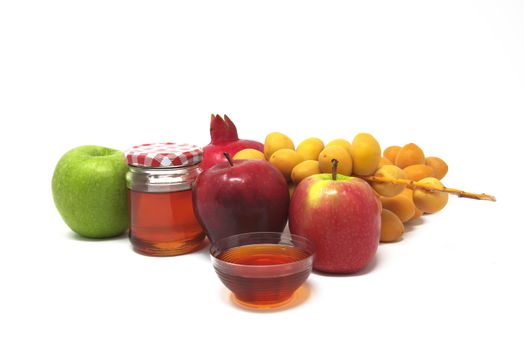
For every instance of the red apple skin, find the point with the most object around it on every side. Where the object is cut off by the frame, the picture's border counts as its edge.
(341, 217)
(250, 196)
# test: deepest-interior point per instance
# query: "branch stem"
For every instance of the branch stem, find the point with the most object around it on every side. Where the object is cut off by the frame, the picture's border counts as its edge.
(430, 188)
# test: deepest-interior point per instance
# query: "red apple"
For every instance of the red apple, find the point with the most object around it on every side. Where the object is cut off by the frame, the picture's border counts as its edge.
(342, 218)
(238, 196)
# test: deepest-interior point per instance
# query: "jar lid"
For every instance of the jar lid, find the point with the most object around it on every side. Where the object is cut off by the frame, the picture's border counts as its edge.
(164, 155)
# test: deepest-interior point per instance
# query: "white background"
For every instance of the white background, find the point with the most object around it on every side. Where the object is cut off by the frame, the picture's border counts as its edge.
(447, 75)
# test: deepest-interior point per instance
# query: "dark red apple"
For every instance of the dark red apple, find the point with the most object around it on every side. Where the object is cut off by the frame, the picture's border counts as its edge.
(240, 196)
(341, 217)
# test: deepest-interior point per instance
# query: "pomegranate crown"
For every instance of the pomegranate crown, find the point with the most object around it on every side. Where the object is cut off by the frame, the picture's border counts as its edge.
(222, 130)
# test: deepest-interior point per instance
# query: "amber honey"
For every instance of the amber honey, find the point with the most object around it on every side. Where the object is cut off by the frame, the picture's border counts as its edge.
(163, 224)
(263, 274)
(160, 179)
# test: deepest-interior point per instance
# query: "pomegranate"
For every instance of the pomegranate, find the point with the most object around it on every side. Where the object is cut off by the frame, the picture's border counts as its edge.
(224, 138)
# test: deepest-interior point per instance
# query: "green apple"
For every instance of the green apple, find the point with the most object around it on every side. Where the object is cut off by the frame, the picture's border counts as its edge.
(89, 190)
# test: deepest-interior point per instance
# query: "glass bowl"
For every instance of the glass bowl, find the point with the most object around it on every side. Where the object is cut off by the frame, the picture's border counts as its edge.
(263, 269)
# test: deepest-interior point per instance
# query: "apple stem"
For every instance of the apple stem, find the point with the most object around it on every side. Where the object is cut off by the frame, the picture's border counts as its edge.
(334, 165)
(228, 157)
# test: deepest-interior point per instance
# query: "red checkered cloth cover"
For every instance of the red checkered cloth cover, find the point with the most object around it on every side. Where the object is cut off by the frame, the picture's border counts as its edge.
(164, 155)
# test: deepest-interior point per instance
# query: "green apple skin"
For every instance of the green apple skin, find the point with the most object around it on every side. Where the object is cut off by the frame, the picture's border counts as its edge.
(89, 190)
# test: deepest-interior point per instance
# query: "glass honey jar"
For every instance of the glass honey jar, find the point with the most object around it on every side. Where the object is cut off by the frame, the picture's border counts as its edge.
(159, 182)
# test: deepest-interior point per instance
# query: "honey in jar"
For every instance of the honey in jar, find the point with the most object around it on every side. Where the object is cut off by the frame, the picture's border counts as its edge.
(159, 180)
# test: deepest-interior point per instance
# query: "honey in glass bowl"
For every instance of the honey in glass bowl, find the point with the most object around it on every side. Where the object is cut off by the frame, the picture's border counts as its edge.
(263, 269)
